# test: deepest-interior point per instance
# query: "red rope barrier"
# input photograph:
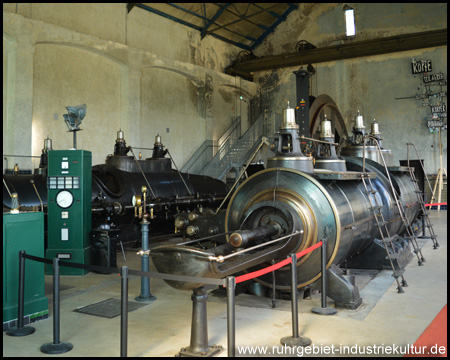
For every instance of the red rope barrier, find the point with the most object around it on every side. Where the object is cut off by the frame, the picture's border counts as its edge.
(276, 266)
(436, 204)
(287, 261)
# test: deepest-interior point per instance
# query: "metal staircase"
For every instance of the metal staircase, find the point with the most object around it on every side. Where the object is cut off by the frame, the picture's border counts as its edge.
(235, 152)
(208, 149)
(421, 197)
(200, 158)
(231, 151)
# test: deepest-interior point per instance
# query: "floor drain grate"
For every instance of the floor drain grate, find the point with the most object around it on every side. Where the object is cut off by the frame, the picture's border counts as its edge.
(108, 308)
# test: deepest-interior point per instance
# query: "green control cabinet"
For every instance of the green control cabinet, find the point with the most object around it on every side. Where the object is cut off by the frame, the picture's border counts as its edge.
(23, 232)
(69, 184)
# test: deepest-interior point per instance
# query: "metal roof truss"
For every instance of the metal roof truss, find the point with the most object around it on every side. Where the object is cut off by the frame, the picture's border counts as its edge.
(244, 25)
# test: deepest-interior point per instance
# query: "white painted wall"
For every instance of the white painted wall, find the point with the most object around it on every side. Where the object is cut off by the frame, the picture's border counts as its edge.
(369, 84)
(137, 72)
(143, 73)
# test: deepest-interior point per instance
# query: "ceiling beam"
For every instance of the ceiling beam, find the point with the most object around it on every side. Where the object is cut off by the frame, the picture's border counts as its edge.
(183, 22)
(219, 12)
(349, 50)
(278, 21)
(130, 6)
(187, 11)
(168, 16)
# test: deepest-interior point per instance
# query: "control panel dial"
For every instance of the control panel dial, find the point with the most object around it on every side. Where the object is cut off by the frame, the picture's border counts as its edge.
(64, 199)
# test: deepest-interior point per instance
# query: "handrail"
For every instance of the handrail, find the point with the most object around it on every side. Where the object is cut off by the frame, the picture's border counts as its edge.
(235, 124)
(421, 163)
(230, 133)
(382, 158)
(223, 160)
(263, 141)
(231, 150)
(201, 150)
(399, 207)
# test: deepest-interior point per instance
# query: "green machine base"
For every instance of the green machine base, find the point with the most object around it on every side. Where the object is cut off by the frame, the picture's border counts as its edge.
(30, 307)
(23, 232)
(80, 256)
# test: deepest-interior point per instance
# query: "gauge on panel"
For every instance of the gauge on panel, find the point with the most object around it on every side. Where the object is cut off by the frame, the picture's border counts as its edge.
(64, 199)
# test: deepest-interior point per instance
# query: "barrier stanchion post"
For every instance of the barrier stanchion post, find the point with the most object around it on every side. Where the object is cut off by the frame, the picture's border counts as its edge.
(274, 300)
(56, 347)
(124, 312)
(20, 330)
(231, 321)
(295, 339)
(324, 310)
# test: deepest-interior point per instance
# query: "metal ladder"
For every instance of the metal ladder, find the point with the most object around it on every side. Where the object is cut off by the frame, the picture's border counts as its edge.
(421, 197)
(386, 239)
(411, 235)
(409, 230)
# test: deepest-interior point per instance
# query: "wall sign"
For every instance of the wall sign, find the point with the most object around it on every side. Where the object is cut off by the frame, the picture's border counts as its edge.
(439, 109)
(432, 94)
(421, 66)
(434, 123)
(433, 77)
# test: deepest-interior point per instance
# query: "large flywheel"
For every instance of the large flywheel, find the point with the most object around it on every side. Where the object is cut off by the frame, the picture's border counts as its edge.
(321, 106)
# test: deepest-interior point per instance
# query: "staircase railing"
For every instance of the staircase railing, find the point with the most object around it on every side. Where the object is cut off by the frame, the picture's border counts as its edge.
(204, 154)
(234, 131)
(233, 152)
(200, 158)
(421, 197)
(215, 159)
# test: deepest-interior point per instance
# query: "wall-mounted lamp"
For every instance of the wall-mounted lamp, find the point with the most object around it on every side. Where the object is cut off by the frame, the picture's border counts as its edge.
(242, 98)
(350, 29)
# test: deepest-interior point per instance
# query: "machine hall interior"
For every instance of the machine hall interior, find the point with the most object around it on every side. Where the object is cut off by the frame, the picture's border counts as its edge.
(210, 141)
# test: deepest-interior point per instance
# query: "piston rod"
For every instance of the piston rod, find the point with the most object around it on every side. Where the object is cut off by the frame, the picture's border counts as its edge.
(242, 238)
(222, 258)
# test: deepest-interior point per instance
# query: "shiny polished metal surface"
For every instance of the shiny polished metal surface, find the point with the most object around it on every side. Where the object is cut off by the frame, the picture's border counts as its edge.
(289, 119)
(302, 203)
(372, 153)
(290, 207)
(325, 129)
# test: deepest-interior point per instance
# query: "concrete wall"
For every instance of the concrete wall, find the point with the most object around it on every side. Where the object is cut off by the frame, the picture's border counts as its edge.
(369, 84)
(148, 75)
(138, 72)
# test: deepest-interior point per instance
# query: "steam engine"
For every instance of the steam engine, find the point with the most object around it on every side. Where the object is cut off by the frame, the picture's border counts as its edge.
(291, 206)
(114, 184)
